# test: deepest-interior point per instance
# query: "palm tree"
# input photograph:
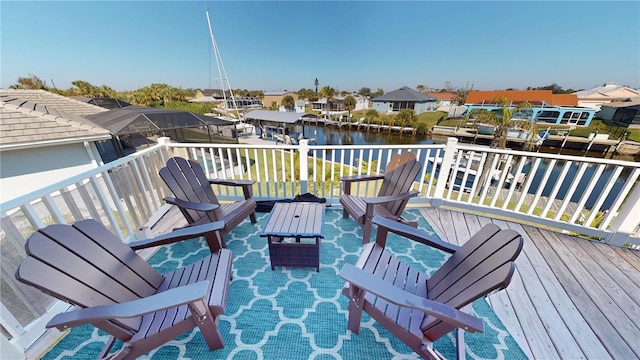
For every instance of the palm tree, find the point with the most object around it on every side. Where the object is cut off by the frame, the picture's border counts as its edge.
(392, 121)
(420, 88)
(288, 102)
(365, 166)
(370, 114)
(349, 104)
(328, 92)
(32, 83)
(406, 116)
(503, 119)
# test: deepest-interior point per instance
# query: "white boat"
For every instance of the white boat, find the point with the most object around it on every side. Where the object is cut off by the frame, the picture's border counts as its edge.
(485, 129)
(517, 133)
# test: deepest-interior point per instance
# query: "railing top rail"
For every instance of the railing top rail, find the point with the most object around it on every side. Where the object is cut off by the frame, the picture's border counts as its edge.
(291, 147)
(37, 194)
(574, 158)
(461, 146)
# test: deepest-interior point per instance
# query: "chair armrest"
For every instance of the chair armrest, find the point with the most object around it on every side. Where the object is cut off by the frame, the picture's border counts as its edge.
(191, 205)
(414, 234)
(247, 190)
(178, 235)
(368, 282)
(188, 294)
(355, 178)
(231, 182)
(390, 198)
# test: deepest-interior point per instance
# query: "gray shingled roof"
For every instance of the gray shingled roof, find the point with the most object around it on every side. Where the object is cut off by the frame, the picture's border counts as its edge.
(405, 93)
(32, 117)
(51, 100)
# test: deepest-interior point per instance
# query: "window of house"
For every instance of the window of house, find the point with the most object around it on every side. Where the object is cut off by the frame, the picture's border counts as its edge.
(548, 116)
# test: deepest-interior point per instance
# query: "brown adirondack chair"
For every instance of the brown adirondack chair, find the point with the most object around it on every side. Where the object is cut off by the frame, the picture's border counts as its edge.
(197, 201)
(392, 197)
(118, 292)
(419, 309)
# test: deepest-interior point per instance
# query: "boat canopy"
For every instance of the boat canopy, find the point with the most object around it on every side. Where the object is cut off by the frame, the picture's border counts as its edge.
(277, 116)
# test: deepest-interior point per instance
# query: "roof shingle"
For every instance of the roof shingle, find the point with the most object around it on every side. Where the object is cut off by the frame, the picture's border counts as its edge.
(28, 117)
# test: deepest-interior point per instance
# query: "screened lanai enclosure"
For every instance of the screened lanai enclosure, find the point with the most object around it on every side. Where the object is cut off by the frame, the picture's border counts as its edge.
(135, 127)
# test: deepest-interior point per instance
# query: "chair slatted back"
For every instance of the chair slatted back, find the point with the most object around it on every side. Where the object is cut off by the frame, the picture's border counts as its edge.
(86, 265)
(400, 174)
(187, 181)
(483, 264)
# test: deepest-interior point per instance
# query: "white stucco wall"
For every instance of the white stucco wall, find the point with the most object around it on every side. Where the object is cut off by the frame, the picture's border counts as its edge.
(26, 170)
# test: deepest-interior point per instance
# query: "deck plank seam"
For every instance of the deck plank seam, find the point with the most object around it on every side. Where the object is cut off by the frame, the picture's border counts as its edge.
(538, 295)
(573, 320)
(557, 244)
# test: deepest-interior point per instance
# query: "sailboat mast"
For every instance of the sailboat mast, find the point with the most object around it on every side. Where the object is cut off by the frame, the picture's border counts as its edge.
(221, 71)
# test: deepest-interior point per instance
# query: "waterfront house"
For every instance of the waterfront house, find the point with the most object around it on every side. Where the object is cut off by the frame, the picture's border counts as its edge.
(624, 113)
(276, 96)
(574, 293)
(605, 94)
(301, 106)
(336, 106)
(444, 100)
(404, 98)
(546, 107)
(44, 139)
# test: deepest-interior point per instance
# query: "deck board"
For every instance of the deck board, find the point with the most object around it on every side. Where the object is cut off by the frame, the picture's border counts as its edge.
(554, 306)
(560, 309)
(569, 298)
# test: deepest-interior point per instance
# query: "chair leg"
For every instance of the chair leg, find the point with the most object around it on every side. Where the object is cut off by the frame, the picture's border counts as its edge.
(460, 351)
(345, 214)
(355, 317)
(366, 232)
(211, 334)
(215, 241)
(253, 217)
(209, 330)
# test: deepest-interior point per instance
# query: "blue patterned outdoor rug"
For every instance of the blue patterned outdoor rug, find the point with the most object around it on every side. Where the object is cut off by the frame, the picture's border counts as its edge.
(298, 313)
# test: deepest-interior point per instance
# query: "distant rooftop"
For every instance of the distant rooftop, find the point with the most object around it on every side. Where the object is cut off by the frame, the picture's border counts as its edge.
(404, 93)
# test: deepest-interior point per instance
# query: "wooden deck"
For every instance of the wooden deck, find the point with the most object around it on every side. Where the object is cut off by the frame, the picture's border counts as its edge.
(570, 298)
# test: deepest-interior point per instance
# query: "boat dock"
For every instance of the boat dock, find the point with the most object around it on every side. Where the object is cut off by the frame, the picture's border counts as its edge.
(360, 125)
(556, 141)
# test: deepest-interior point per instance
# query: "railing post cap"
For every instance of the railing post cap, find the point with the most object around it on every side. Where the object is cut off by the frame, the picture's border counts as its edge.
(164, 140)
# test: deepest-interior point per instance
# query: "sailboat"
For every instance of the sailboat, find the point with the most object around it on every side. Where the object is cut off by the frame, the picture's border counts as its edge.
(230, 104)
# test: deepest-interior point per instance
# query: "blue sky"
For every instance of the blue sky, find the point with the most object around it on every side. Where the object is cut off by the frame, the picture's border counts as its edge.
(270, 45)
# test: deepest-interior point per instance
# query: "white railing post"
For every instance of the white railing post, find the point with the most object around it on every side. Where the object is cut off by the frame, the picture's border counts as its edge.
(164, 140)
(304, 165)
(445, 168)
(626, 222)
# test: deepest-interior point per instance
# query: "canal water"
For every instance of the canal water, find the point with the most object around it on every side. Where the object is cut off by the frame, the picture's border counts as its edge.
(334, 136)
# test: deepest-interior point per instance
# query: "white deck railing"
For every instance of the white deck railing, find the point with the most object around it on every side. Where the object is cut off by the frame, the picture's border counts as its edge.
(598, 198)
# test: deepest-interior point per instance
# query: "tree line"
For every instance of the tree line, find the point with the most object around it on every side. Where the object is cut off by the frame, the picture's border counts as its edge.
(163, 95)
(158, 94)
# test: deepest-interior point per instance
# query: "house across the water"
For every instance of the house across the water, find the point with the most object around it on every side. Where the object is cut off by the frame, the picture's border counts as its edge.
(546, 107)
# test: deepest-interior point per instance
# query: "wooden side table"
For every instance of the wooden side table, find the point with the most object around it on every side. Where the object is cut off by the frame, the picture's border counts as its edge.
(287, 227)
